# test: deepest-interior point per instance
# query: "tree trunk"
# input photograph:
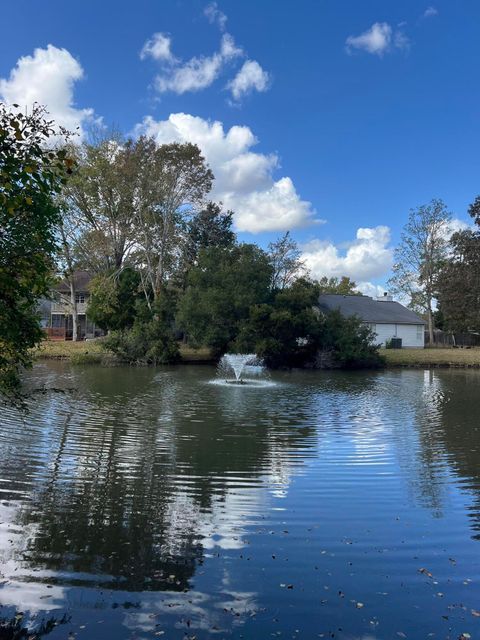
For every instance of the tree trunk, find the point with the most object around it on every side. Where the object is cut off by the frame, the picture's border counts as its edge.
(430, 326)
(73, 306)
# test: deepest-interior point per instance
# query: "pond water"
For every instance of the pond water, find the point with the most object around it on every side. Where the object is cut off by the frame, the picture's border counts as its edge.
(148, 503)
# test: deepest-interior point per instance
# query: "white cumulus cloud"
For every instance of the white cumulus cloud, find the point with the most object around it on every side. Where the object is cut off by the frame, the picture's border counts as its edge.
(250, 77)
(48, 78)
(375, 40)
(158, 47)
(368, 257)
(244, 179)
(372, 290)
(378, 40)
(200, 71)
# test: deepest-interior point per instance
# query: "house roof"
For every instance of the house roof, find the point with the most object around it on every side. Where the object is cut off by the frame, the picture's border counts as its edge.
(369, 310)
(81, 279)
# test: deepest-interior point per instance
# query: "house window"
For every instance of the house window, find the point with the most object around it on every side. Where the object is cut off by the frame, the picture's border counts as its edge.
(419, 331)
(58, 320)
(80, 298)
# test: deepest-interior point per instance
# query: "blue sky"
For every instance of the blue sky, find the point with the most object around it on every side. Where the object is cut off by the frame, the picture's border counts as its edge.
(345, 112)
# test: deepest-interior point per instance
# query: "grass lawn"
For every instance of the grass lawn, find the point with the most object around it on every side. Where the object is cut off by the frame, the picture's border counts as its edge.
(80, 352)
(195, 355)
(432, 357)
(91, 352)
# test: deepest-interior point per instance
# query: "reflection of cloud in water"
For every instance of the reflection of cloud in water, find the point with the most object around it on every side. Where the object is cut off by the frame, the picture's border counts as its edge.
(33, 597)
(19, 585)
(197, 611)
(226, 525)
(393, 426)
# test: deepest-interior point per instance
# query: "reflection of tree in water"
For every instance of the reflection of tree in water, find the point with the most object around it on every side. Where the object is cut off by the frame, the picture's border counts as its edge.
(391, 415)
(15, 628)
(425, 400)
(105, 520)
(446, 416)
(130, 471)
(458, 432)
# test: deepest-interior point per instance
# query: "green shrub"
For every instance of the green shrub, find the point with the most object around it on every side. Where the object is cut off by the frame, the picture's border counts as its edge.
(352, 342)
(145, 343)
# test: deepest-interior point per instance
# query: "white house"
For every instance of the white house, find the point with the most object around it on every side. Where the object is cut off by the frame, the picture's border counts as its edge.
(56, 313)
(388, 319)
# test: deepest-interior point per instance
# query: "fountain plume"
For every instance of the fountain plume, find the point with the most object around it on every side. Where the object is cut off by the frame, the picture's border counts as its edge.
(237, 364)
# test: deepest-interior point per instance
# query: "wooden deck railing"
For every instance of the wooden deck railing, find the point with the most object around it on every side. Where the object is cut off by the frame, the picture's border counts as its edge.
(55, 333)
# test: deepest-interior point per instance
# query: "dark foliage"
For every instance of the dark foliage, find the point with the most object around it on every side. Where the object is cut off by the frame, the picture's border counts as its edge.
(114, 299)
(210, 227)
(151, 339)
(291, 332)
(221, 288)
(31, 175)
(342, 286)
(458, 285)
(145, 343)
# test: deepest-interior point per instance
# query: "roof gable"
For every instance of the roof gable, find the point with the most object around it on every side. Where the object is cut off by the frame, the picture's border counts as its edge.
(369, 310)
(81, 280)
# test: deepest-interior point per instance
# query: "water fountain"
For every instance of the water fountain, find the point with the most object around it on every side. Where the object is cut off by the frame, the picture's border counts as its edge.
(241, 369)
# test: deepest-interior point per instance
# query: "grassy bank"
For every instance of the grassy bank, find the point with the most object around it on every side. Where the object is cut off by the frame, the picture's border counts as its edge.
(432, 357)
(91, 352)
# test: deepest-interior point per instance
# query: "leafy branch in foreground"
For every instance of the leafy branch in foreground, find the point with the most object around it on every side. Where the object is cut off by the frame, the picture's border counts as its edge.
(32, 173)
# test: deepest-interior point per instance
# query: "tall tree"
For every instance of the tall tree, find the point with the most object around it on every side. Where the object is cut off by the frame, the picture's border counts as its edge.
(285, 258)
(458, 284)
(474, 211)
(459, 281)
(173, 181)
(343, 286)
(100, 198)
(420, 256)
(221, 289)
(210, 227)
(66, 259)
(32, 172)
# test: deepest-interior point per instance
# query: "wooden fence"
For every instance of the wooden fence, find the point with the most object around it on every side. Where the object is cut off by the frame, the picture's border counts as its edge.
(446, 339)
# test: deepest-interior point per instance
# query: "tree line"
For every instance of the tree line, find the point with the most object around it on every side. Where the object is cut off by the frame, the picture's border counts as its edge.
(437, 269)
(167, 266)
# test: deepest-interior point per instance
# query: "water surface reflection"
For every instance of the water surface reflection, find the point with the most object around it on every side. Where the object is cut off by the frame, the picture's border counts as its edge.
(148, 501)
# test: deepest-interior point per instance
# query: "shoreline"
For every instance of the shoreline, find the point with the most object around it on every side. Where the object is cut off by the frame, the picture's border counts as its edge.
(91, 352)
(435, 358)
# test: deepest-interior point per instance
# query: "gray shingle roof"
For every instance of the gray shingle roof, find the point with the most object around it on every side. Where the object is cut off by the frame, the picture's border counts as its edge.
(82, 280)
(369, 310)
